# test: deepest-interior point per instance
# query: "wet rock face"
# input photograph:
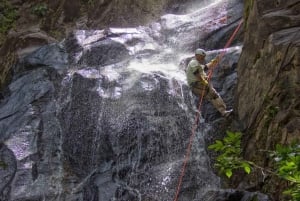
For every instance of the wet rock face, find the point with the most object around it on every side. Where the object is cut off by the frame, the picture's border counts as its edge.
(269, 111)
(217, 23)
(62, 17)
(43, 22)
(93, 131)
(106, 115)
(104, 53)
(8, 169)
(115, 13)
(233, 195)
(127, 138)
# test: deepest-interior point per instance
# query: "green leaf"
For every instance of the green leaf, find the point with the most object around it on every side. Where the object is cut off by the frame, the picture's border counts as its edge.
(217, 146)
(228, 173)
(287, 192)
(247, 169)
(290, 178)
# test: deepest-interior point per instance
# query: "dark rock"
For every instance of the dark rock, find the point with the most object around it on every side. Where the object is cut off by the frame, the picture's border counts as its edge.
(234, 195)
(104, 53)
(8, 169)
(270, 58)
(54, 56)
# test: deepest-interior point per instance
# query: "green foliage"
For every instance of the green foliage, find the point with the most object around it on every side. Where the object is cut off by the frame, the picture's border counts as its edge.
(287, 164)
(230, 154)
(8, 15)
(287, 160)
(40, 10)
(271, 112)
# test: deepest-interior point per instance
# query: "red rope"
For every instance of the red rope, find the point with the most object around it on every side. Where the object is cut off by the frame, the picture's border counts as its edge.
(224, 49)
(195, 124)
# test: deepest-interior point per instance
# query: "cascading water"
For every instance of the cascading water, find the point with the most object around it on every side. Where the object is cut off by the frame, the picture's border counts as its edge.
(106, 114)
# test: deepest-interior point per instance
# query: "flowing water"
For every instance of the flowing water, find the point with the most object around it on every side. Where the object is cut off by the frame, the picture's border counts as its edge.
(154, 67)
(113, 121)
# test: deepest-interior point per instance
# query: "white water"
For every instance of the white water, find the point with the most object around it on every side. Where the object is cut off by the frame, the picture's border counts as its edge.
(159, 49)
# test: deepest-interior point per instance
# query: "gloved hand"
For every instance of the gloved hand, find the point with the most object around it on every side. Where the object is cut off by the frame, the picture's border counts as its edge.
(216, 60)
(205, 80)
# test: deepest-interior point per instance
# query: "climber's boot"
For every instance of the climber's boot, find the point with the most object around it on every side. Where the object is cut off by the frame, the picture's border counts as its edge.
(221, 106)
(226, 113)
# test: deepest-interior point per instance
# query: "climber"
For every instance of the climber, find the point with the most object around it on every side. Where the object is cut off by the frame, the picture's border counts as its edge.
(198, 81)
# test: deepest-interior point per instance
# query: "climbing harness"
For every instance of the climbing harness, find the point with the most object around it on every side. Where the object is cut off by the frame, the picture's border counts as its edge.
(195, 124)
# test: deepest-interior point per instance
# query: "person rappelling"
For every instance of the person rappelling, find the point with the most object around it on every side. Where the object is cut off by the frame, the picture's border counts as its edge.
(198, 81)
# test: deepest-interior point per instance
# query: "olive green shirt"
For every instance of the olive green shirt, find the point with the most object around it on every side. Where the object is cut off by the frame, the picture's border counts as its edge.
(192, 67)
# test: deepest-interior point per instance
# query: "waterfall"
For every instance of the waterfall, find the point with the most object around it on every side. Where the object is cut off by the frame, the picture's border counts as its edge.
(107, 114)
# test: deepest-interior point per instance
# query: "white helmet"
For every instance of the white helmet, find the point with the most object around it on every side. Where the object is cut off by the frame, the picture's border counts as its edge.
(200, 52)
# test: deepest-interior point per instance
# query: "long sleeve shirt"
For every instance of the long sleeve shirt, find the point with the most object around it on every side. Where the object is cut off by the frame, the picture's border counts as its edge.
(192, 69)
